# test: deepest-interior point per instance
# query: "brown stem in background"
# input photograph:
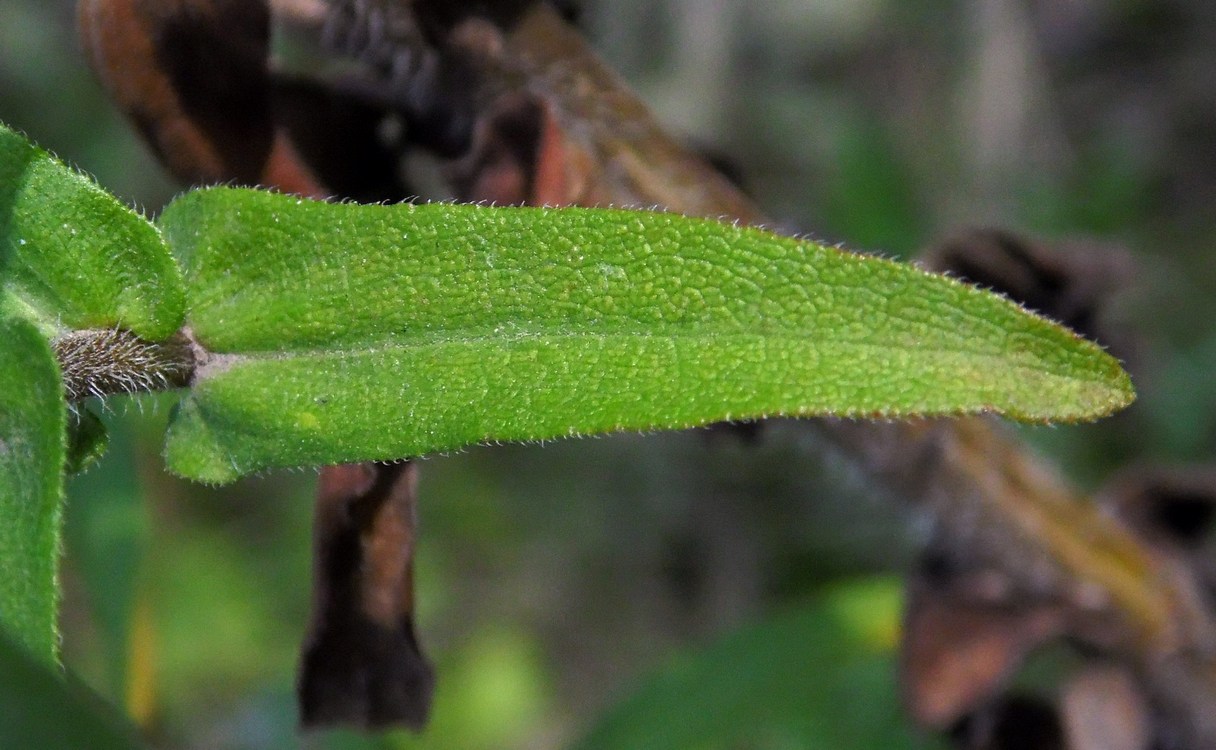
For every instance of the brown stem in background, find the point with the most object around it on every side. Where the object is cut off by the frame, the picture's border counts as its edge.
(361, 662)
(192, 76)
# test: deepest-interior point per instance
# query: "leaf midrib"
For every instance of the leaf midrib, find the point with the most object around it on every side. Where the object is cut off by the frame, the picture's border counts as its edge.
(418, 341)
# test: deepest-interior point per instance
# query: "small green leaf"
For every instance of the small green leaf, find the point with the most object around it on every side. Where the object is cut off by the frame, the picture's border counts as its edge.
(72, 256)
(345, 332)
(33, 417)
(87, 440)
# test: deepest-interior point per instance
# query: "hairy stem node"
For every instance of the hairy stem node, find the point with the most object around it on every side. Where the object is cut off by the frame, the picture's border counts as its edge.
(104, 362)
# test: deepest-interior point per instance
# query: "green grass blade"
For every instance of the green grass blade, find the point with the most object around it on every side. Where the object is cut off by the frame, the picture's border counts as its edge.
(73, 256)
(344, 332)
(33, 418)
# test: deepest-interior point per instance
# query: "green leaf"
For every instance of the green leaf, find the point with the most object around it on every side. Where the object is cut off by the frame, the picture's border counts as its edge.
(33, 418)
(87, 440)
(40, 708)
(821, 675)
(72, 256)
(345, 332)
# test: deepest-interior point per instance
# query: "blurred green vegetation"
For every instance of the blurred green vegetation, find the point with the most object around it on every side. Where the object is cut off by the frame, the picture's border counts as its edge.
(757, 688)
(556, 580)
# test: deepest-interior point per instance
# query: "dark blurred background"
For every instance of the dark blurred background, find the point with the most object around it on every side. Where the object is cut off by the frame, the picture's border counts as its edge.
(556, 581)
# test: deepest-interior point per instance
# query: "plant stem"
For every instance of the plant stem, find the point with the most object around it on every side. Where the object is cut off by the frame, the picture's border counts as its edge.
(107, 361)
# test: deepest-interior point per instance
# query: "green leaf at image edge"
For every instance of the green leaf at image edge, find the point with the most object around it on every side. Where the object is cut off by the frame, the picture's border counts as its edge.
(345, 332)
(40, 707)
(33, 418)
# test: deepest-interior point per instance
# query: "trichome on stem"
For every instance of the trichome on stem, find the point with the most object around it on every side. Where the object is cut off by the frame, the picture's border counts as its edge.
(108, 361)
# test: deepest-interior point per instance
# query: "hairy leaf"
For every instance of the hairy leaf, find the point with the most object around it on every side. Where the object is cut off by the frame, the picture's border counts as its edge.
(344, 332)
(33, 416)
(73, 256)
(87, 440)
